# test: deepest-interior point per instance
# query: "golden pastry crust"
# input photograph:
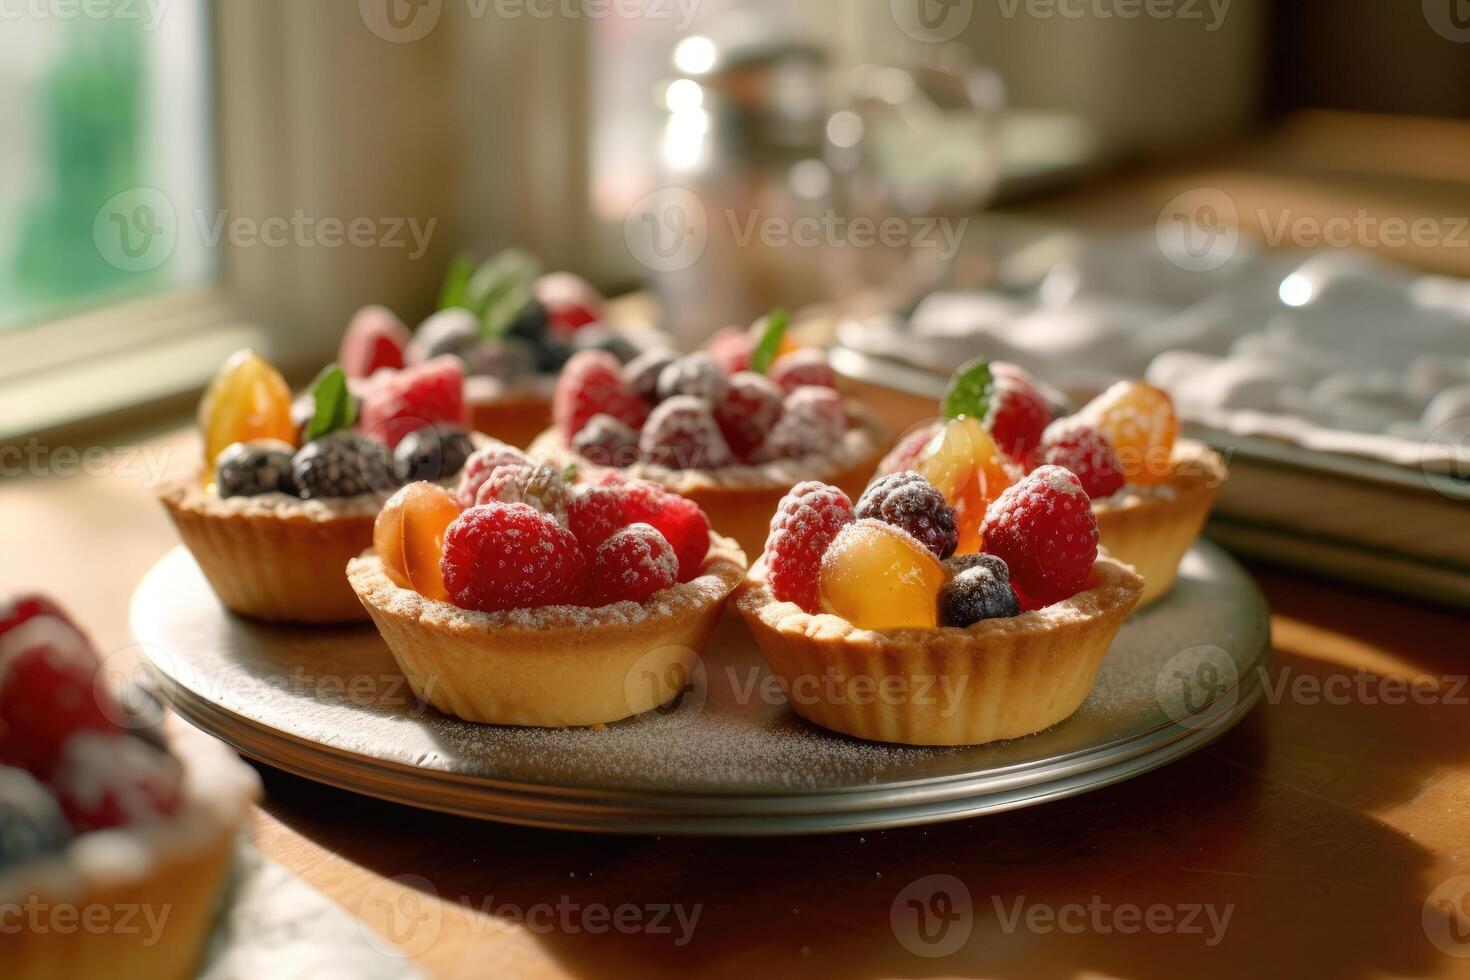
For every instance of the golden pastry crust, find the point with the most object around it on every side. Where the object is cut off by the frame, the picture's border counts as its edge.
(511, 413)
(997, 679)
(739, 500)
(1152, 530)
(556, 666)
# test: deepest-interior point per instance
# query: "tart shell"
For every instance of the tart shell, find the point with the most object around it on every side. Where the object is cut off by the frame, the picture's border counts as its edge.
(997, 679)
(513, 415)
(1152, 533)
(553, 667)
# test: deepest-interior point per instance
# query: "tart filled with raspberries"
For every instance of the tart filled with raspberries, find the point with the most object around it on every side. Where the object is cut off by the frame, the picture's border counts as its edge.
(288, 492)
(521, 597)
(731, 427)
(886, 625)
(510, 326)
(1151, 491)
(99, 810)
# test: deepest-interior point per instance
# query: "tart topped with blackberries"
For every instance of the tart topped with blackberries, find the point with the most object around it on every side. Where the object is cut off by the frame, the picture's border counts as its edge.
(288, 492)
(731, 427)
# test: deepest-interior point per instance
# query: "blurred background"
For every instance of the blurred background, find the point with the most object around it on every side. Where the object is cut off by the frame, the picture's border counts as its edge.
(1260, 205)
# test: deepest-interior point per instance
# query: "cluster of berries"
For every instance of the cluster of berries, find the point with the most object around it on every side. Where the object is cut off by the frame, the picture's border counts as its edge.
(515, 534)
(699, 411)
(74, 755)
(890, 561)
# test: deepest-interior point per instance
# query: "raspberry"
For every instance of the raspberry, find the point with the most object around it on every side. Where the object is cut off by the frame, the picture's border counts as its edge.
(677, 518)
(31, 823)
(105, 780)
(693, 374)
(606, 441)
(681, 434)
(48, 693)
(1017, 413)
(908, 501)
(248, 469)
(435, 452)
(641, 373)
(805, 522)
(540, 486)
(632, 564)
(808, 366)
(594, 513)
(977, 593)
(731, 349)
(375, 338)
(398, 402)
(480, 465)
(571, 302)
(905, 453)
(343, 464)
(813, 420)
(1084, 450)
(750, 408)
(1043, 528)
(592, 383)
(510, 556)
(20, 609)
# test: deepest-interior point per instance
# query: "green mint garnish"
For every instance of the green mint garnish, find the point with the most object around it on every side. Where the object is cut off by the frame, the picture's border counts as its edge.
(455, 291)
(500, 288)
(770, 343)
(334, 408)
(969, 391)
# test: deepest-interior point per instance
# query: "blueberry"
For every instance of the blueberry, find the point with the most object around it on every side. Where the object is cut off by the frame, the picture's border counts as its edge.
(977, 593)
(642, 372)
(435, 452)
(248, 469)
(453, 331)
(595, 336)
(343, 464)
(960, 563)
(31, 824)
(552, 354)
(531, 322)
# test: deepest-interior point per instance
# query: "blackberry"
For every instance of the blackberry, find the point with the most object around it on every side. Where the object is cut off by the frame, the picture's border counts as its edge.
(435, 452)
(693, 374)
(531, 322)
(31, 823)
(343, 464)
(248, 469)
(606, 441)
(908, 501)
(642, 372)
(977, 593)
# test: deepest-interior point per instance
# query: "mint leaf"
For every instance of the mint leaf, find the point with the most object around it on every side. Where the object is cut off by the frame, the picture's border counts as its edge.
(334, 408)
(969, 391)
(770, 343)
(455, 291)
(497, 276)
(502, 310)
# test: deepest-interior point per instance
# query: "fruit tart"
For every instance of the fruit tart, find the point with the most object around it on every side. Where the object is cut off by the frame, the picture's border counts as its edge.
(283, 501)
(521, 598)
(114, 842)
(880, 630)
(510, 326)
(1151, 492)
(732, 427)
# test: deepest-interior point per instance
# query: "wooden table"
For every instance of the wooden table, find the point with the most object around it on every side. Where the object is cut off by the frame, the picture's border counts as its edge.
(1320, 826)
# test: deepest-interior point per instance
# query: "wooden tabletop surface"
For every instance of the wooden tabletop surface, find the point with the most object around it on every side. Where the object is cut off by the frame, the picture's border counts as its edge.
(1326, 836)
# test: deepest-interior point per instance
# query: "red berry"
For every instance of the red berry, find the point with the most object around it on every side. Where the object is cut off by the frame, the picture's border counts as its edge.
(400, 402)
(632, 564)
(107, 780)
(1084, 450)
(543, 487)
(48, 692)
(571, 302)
(510, 556)
(481, 464)
(607, 441)
(805, 522)
(1017, 413)
(905, 453)
(677, 518)
(22, 608)
(813, 420)
(749, 410)
(1044, 529)
(375, 338)
(592, 383)
(682, 434)
(594, 513)
(808, 366)
(731, 348)
(908, 501)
